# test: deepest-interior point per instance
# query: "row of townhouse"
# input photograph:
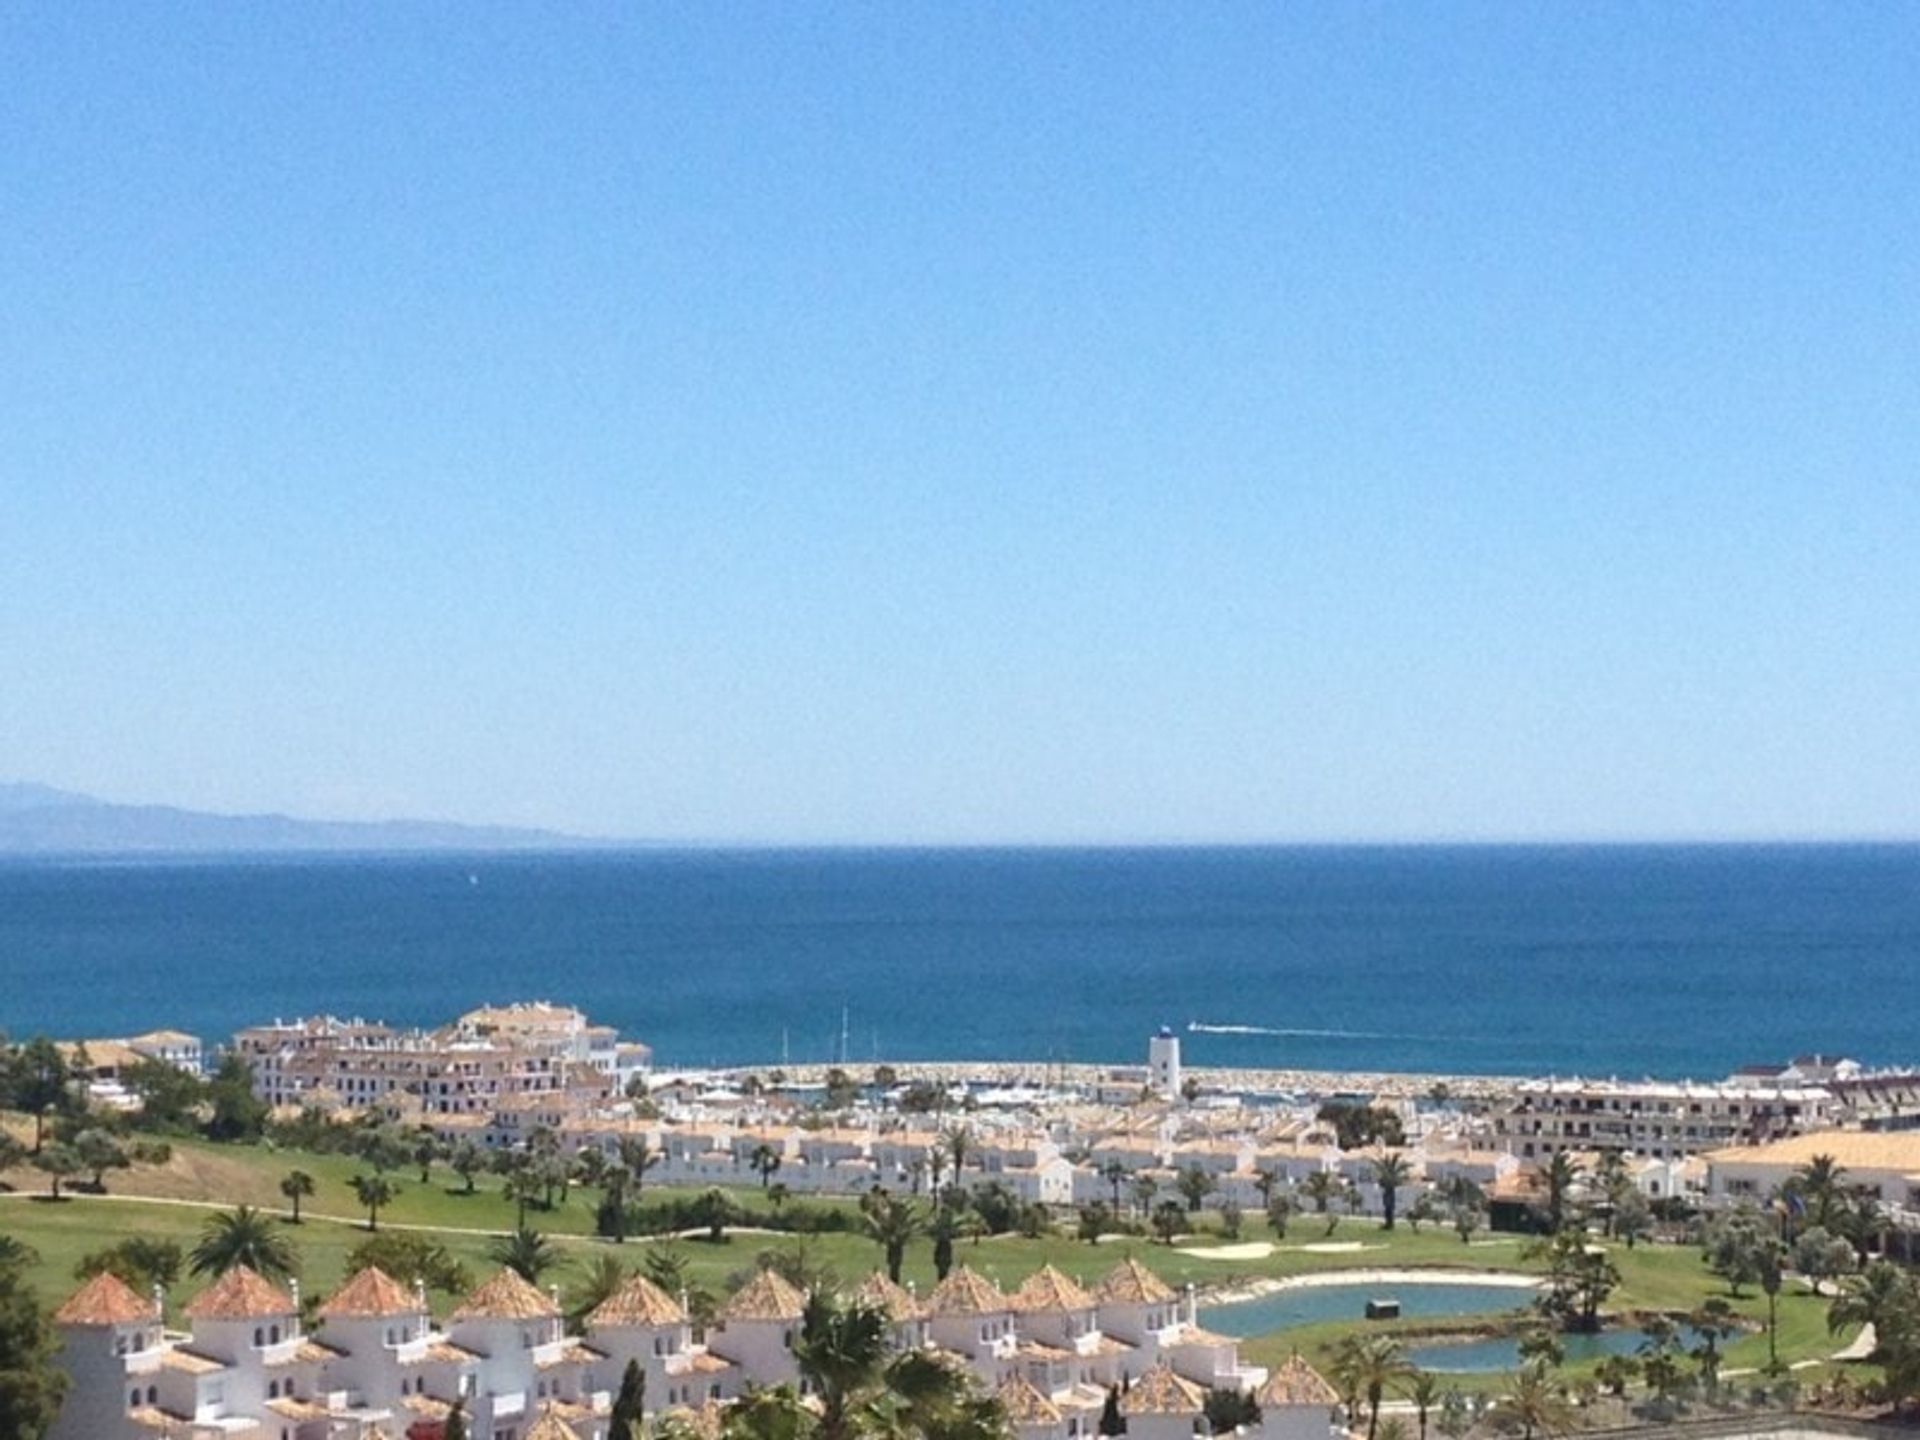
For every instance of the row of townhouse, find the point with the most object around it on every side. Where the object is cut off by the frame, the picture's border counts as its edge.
(486, 1059)
(380, 1366)
(1660, 1119)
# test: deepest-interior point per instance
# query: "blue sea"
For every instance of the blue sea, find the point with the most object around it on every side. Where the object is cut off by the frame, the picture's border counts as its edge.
(1618, 960)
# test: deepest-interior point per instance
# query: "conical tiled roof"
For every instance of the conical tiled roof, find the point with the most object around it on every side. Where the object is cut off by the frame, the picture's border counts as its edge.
(241, 1294)
(638, 1302)
(896, 1302)
(106, 1300)
(967, 1292)
(1024, 1403)
(371, 1294)
(1161, 1392)
(1297, 1383)
(1048, 1288)
(768, 1296)
(507, 1296)
(1131, 1283)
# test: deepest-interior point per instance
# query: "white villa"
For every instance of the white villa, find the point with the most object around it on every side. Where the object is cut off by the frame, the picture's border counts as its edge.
(379, 1367)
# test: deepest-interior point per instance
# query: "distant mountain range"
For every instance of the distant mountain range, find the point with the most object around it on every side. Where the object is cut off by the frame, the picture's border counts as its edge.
(39, 820)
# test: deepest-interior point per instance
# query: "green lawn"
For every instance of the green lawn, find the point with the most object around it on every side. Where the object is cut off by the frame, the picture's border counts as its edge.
(1654, 1277)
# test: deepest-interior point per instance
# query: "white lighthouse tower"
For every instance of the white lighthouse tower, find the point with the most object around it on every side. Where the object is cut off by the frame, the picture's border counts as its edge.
(1163, 1063)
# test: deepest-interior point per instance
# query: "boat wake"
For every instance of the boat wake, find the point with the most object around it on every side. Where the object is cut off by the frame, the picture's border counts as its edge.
(1197, 1027)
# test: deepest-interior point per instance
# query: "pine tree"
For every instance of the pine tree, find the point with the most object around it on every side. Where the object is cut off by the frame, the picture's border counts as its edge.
(456, 1427)
(31, 1384)
(1112, 1422)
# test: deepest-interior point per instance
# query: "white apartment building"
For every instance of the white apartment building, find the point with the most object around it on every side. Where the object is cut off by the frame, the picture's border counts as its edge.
(1661, 1119)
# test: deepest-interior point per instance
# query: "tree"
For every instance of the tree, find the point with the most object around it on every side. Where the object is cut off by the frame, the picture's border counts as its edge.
(238, 1114)
(764, 1159)
(296, 1185)
(629, 1406)
(525, 1186)
(958, 1140)
(1534, 1403)
(1280, 1207)
(1390, 1172)
(1820, 1256)
(467, 1160)
(1733, 1247)
(1168, 1220)
(1112, 1422)
(1579, 1279)
(943, 1228)
(1466, 1217)
(1115, 1174)
(1322, 1187)
(141, 1262)
(1095, 1220)
(1632, 1218)
(527, 1253)
(58, 1163)
(713, 1210)
(168, 1095)
(1818, 1185)
(610, 1215)
(42, 1083)
(456, 1426)
(31, 1382)
(1423, 1210)
(1615, 1372)
(1771, 1264)
(841, 1352)
(1368, 1365)
(1561, 1173)
(1143, 1189)
(892, 1223)
(767, 1412)
(1712, 1321)
(427, 1149)
(1658, 1354)
(1194, 1186)
(1231, 1219)
(1423, 1389)
(412, 1259)
(375, 1192)
(99, 1152)
(636, 1157)
(1230, 1410)
(244, 1236)
(605, 1275)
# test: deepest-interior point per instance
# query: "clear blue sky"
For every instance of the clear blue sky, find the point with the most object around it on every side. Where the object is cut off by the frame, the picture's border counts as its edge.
(918, 422)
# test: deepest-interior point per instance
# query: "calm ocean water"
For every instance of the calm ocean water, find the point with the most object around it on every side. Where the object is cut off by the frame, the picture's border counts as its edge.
(1629, 960)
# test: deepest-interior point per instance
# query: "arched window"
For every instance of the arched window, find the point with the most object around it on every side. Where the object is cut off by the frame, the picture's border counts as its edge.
(259, 1337)
(273, 1335)
(133, 1400)
(153, 1394)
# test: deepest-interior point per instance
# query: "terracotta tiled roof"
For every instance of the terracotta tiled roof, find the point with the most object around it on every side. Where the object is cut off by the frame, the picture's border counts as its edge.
(1297, 1383)
(896, 1302)
(1161, 1392)
(966, 1292)
(767, 1296)
(190, 1362)
(105, 1300)
(573, 1353)
(293, 1409)
(1131, 1283)
(307, 1352)
(551, 1427)
(507, 1296)
(1024, 1403)
(372, 1294)
(705, 1362)
(1048, 1289)
(638, 1302)
(154, 1418)
(241, 1294)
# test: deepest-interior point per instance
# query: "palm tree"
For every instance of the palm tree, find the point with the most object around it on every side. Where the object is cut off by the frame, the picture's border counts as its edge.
(527, 1253)
(1818, 1183)
(1560, 1173)
(605, 1275)
(1322, 1187)
(296, 1186)
(638, 1157)
(1712, 1321)
(1390, 1172)
(1870, 1297)
(1142, 1188)
(525, 1186)
(244, 1236)
(376, 1192)
(764, 1159)
(842, 1351)
(590, 1166)
(893, 1223)
(959, 1142)
(944, 1228)
(1115, 1174)
(1371, 1363)
(1534, 1403)
(1423, 1389)
(766, 1412)
(714, 1210)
